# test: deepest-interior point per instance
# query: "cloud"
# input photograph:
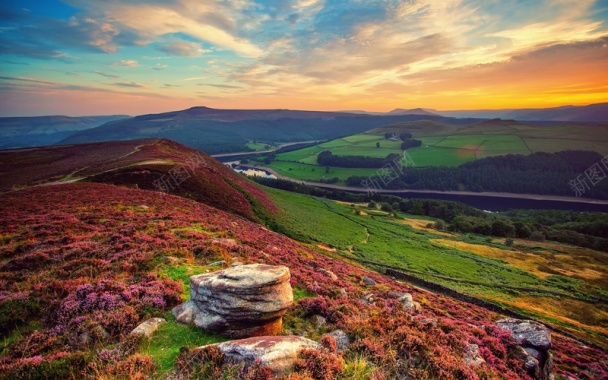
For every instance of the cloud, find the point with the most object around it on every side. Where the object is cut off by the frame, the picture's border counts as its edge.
(220, 23)
(131, 85)
(159, 67)
(106, 75)
(126, 63)
(183, 49)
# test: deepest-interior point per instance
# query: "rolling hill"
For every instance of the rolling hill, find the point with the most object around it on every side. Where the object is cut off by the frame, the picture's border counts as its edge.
(224, 131)
(590, 113)
(152, 164)
(18, 132)
(83, 263)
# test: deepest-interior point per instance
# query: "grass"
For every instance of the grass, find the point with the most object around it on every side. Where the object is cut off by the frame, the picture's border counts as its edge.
(257, 146)
(315, 173)
(164, 345)
(405, 242)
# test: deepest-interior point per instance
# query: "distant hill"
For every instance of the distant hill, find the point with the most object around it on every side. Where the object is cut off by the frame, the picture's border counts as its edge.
(591, 113)
(414, 111)
(225, 131)
(18, 132)
(151, 164)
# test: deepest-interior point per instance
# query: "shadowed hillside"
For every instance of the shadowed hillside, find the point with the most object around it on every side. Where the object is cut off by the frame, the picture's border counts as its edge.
(152, 164)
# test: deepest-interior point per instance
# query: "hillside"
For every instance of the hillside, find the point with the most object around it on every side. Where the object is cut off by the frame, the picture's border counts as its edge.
(223, 131)
(152, 164)
(63, 241)
(590, 113)
(17, 132)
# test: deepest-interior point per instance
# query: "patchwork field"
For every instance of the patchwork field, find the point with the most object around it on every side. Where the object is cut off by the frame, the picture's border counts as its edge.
(448, 145)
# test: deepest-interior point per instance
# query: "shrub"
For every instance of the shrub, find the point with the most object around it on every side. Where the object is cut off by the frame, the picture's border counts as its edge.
(319, 364)
(439, 225)
(537, 236)
(509, 242)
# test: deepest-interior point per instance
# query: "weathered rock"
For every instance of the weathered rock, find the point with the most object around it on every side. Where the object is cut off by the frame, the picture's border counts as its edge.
(367, 299)
(242, 301)
(342, 340)
(220, 263)
(343, 292)
(329, 274)
(527, 333)
(535, 342)
(148, 327)
(472, 357)
(368, 281)
(410, 305)
(278, 353)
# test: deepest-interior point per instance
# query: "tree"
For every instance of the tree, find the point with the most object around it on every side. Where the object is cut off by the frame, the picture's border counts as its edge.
(327, 169)
(509, 242)
(405, 136)
(386, 207)
(372, 205)
(377, 145)
(439, 225)
(388, 135)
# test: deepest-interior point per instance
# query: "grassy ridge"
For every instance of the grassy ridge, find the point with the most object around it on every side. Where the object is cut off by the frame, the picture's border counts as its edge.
(379, 237)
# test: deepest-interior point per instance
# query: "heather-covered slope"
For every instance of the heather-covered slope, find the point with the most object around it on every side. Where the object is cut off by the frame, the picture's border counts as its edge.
(153, 164)
(77, 256)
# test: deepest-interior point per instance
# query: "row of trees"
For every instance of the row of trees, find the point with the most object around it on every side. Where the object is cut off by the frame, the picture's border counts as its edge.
(539, 173)
(327, 158)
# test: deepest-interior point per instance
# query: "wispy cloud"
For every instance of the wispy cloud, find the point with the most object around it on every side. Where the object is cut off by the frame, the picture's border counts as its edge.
(126, 63)
(183, 49)
(106, 75)
(131, 85)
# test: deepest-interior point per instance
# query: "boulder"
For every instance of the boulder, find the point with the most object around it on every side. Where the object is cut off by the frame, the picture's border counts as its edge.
(148, 327)
(238, 302)
(527, 333)
(277, 353)
(368, 281)
(410, 305)
(534, 340)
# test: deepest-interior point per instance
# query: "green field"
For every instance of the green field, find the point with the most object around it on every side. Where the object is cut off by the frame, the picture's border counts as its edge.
(382, 238)
(303, 172)
(444, 145)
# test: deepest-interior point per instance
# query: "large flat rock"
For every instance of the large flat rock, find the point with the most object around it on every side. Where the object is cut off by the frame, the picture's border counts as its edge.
(241, 301)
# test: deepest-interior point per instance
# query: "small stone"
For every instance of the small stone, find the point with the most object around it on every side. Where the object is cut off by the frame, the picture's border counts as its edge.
(329, 274)
(472, 357)
(343, 292)
(342, 340)
(368, 281)
(217, 263)
(318, 321)
(148, 327)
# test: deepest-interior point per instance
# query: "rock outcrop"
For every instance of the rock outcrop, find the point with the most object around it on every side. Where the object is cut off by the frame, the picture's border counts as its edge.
(409, 304)
(535, 342)
(277, 353)
(238, 302)
(148, 327)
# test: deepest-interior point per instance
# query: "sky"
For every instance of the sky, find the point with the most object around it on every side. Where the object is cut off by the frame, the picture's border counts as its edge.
(100, 57)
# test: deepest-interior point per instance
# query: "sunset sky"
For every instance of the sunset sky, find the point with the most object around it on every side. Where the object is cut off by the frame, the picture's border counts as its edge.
(94, 57)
